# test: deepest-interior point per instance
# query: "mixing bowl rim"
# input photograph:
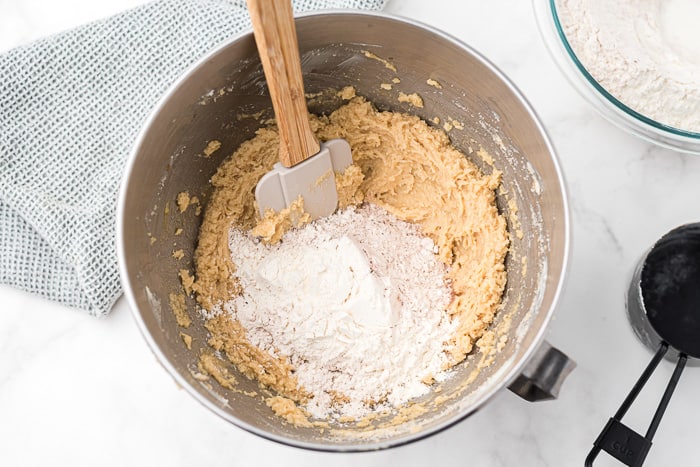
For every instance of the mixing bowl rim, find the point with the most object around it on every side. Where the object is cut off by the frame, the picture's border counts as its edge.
(181, 381)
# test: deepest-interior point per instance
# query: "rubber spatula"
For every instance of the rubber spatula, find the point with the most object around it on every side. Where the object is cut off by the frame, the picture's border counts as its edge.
(306, 168)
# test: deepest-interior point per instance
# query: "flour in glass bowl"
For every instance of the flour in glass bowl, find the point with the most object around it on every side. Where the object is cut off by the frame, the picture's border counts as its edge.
(357, 301)
(646, 53)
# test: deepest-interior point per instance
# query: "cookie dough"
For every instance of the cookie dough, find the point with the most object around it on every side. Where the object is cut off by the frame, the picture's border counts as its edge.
(413, 99)
(401, 164)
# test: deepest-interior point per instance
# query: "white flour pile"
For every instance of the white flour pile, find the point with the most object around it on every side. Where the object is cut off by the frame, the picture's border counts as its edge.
(646, 53)
(356, 301)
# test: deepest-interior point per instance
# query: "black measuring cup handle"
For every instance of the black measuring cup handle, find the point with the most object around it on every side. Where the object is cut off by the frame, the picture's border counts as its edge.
(544, 374)
(622, 442)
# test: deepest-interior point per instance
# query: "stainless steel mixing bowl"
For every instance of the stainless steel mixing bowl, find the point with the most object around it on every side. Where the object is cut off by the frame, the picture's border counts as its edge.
(211, 101)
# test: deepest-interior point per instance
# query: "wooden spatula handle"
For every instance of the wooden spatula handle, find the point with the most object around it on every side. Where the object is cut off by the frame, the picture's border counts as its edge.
(275, 35)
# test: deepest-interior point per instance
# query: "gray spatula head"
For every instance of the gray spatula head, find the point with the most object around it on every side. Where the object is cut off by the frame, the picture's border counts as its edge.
(313, 179)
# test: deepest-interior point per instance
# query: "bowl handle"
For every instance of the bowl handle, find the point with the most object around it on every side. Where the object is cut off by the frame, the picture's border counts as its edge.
(544, 374)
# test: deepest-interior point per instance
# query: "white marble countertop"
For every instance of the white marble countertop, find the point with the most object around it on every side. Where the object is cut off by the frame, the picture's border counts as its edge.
(76, 390)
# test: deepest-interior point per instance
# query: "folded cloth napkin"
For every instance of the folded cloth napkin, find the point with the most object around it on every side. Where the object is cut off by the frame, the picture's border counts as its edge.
(70, 108)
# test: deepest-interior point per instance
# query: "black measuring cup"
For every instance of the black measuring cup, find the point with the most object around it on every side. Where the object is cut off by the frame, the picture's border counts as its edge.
(663, 307)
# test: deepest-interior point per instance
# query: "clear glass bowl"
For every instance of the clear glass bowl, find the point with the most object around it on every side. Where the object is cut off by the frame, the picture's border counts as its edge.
(605, 103)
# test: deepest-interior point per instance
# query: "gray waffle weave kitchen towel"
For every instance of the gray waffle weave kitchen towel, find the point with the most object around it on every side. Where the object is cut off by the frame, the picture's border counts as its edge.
(70, 108)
